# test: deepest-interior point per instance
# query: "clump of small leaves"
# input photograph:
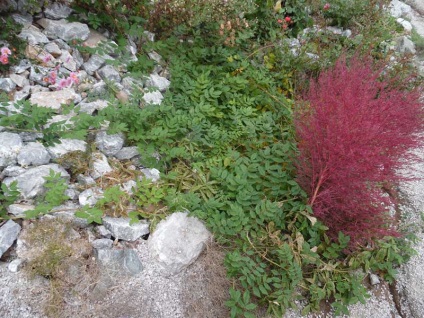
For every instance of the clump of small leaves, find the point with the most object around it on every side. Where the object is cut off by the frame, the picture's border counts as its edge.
(354, 134)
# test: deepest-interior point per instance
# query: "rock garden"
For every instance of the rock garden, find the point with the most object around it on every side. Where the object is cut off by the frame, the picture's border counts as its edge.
(173, 159)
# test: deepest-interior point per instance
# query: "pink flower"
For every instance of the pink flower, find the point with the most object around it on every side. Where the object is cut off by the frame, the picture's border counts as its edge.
(326, 6)
(4, 59)
(47, 58)
(62, 84)
(53, 77)
(74, 77)
(288, 19)
(280, 21)
(5, 51)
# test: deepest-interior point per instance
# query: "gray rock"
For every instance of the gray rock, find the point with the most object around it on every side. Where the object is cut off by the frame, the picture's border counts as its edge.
(128, 186)
(407, 26)
(85, 180)
(15, 265)
(154, 98)
(109, 144)
(22, 94)
(104, 232)
(64, 30)
(8, 234)
(90, 196)
(405, 45)
(7, 85)
(12, 171)
(31, 182)
(21, 67)
(94, 39)
(119, 262)
(102, 243)
(177, 242)
(399, 9)
(66, 146)
(130, 83)
(100, 165)
(19, 80)
(53, 49)
(127, 153)
(93, 64)
(55, 99)
(33, 154)
(149, 36)
(155, 56)
(38, 74)
(22, 19)
(374, 280)
(151, 174)
(68, 61)
(90, 108)
(57, 11)
(72, 194)
(10, 145)
(99, 89)
(158, 81)
(33, 35)
(109, 73)
(19, 210)
(121, 229)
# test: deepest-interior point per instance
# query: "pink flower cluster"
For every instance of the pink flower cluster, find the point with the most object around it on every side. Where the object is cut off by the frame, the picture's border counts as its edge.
(4, 57)
(63, 82)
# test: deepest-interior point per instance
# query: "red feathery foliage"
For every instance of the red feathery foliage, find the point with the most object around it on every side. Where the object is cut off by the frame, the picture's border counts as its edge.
(354, 137)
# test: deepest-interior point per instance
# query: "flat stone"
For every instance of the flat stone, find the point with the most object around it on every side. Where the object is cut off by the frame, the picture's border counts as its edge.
(119, 262)
(19, 210)
(33, 154)
(102, 243)
(121, 229)
(21, 67)
(57, 11)
(127, 153)
(109, 73)
(177, 242)
(94, 38)
(9, 232)
(22, 19)
(66, 146)
(33, 35)
(55, 99)
(64, 30)
(15, 265)
(7, 85)
(19, 80)
(151, 174)
(159, 82)
(31, 182)
(109, 144)
(10, 145)
(85, 180)
(90, 196)
(104, 232)
(93, 64)
(12, 171)
(100, 165)
(53, 49)
(154, 98)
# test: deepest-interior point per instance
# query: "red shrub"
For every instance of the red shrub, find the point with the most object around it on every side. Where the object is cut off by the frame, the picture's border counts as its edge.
(354, 136)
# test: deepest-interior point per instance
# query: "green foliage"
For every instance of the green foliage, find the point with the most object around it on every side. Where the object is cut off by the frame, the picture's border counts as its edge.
(54, 196)
(8, 196)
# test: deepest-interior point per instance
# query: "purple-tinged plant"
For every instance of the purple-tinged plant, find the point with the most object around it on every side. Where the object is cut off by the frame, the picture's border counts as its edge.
(353, 138)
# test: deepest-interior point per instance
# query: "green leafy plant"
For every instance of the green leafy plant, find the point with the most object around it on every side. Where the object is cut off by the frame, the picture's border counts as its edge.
(8, 196)
(54, 196)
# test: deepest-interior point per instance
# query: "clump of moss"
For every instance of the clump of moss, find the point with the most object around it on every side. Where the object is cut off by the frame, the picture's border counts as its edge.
(59, 253)
(75, 162)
